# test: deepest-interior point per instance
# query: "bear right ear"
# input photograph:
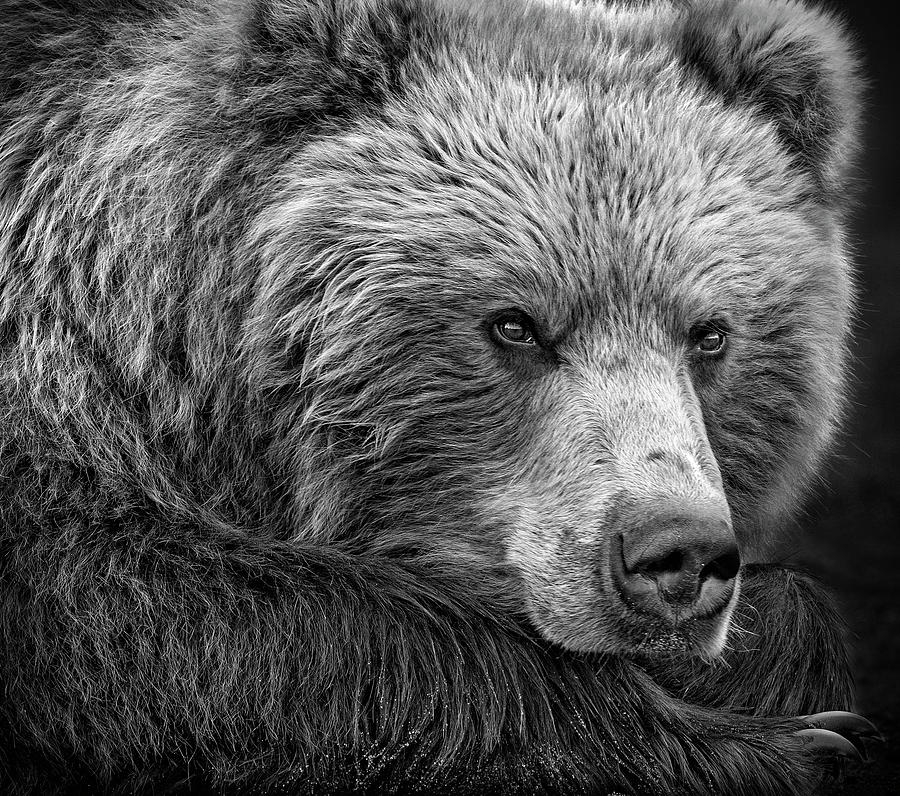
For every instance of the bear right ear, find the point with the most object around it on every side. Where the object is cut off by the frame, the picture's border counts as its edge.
(790, 63)
(307, 60)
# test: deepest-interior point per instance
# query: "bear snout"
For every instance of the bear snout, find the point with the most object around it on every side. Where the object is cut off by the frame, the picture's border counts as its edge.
(676, 560)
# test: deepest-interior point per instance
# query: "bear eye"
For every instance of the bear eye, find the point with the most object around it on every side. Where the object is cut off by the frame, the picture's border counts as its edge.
(517, 329)
(710, 341)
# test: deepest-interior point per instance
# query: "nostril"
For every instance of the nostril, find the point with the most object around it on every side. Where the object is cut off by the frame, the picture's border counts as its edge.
(673, 562)
(724, 567)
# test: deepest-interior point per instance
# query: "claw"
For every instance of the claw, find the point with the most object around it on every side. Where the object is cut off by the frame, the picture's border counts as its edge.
(859, 731)
(829, 742)
(847, 724)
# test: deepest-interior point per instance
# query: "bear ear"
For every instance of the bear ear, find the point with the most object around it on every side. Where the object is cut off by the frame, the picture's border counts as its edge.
(309, 60)
(791, 63)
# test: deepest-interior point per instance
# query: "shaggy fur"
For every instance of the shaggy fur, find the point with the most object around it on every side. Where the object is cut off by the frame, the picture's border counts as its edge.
(276, 511)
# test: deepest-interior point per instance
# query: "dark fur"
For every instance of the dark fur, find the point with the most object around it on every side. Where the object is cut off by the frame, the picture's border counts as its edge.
(163, 622)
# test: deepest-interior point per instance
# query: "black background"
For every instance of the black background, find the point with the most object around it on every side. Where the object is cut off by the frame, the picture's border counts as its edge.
(851, 531)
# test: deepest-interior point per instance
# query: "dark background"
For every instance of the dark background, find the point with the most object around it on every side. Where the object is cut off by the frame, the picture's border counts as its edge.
(851, 532)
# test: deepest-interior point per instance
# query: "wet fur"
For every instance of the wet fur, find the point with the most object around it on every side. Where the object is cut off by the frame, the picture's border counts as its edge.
(202, 583)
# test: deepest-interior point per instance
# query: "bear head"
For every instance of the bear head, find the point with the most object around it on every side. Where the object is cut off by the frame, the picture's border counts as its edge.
(556, 294)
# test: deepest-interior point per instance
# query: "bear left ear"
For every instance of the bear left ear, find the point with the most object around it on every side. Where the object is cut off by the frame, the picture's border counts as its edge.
(791, 63)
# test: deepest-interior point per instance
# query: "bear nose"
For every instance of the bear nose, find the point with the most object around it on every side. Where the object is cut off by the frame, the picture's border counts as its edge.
(678, 558)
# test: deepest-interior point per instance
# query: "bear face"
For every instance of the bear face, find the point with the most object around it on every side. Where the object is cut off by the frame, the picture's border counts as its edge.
(536, 312)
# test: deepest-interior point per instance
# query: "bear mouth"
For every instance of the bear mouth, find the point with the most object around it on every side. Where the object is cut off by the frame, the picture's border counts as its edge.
(696, 636)
(699, 635)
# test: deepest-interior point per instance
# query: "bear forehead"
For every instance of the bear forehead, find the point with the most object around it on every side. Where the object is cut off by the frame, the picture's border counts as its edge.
(526, 176)
(561, 160)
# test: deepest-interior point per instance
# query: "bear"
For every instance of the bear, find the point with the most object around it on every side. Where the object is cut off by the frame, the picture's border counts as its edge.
(411, 395)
